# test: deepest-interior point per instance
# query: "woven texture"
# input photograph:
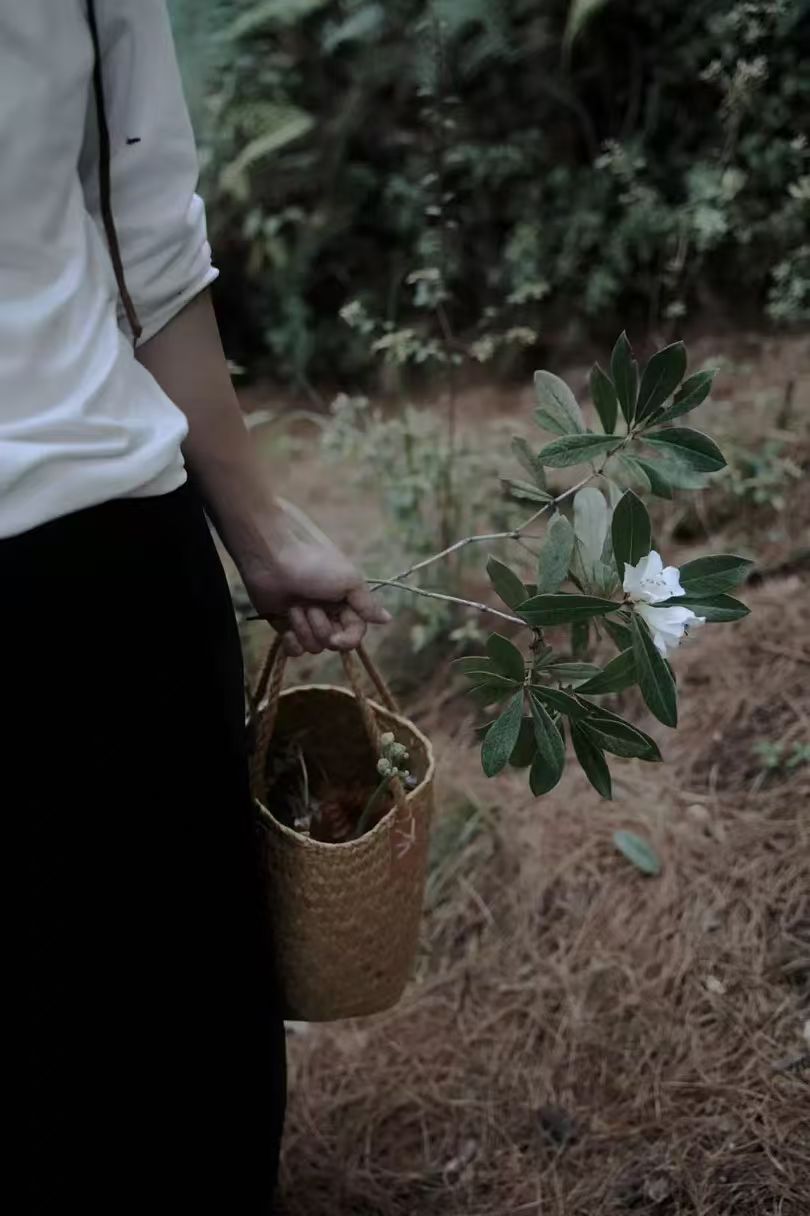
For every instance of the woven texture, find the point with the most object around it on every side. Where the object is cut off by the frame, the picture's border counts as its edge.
(346, 916)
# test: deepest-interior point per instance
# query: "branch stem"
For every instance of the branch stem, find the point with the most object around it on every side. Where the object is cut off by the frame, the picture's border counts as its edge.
(448, 599)
(482, 538)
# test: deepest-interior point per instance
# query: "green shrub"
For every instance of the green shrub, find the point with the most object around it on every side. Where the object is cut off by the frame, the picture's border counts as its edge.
(586, 157)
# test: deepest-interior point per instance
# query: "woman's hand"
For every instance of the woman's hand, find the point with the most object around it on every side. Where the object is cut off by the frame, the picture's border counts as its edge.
(321, 595)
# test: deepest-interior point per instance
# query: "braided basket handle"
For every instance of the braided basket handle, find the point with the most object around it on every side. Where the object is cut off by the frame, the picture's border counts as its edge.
(267, 693)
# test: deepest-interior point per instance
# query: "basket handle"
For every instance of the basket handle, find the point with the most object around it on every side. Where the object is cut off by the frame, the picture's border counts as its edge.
(269, 686)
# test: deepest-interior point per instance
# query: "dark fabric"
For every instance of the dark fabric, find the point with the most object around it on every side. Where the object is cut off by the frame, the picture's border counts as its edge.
(151, 1048)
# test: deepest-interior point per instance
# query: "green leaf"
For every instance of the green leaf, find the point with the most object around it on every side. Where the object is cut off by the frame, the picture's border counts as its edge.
(270, 12)
(558, 410)
(575, 449)
(593, 762)
(638, 852)
(627, 473)
(543, 776)
(502, 737)
(493, 690)
(580, 13)
(359, 25)
(624, 373)
(714, 575)
(526, 746)
(555, 555)
(526, 457)
(550, 760)
(506, 583)
(619, 673)
(619, 633)
(654, 676)
(662, 375)
(612, 734)
(291, 124)
(604, 398)
(715, 609)
(591, 521)
(692, 393)
(474, 664)
(580, 638)
(525, 491)
(675, 471)
(631, 531)
(693, 450)
(507, 658)
(593, 575)
(572, 673)
(563, 609)
(654, 473)
(487, 674)
(562, 702)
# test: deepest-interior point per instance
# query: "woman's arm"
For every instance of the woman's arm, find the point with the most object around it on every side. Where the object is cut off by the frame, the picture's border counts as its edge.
(160, 221)
(315, 585)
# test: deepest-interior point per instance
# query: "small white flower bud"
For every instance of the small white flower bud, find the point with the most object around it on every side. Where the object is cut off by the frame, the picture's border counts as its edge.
(387, 739)
(384, 767)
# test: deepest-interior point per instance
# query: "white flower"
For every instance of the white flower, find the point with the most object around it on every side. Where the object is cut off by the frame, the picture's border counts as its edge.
(650, 582)
(387, 739)
(385, 768)
(669, 625)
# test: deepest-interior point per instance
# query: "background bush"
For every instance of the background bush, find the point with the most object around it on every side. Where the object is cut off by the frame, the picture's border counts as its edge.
(579, 160)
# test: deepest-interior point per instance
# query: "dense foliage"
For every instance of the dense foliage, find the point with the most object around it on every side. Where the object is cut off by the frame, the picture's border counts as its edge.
(560, 160)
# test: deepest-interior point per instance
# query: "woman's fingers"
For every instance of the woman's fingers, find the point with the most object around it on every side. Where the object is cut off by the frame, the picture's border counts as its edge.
(367, 607)
(322, 627)
(315, 628)
(303, 631)
(351, 631)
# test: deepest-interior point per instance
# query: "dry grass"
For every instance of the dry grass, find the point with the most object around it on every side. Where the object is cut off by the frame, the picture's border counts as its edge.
(583, 1040)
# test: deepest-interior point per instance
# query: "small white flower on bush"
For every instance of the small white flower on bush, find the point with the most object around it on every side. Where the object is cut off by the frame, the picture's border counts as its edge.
(650, 583)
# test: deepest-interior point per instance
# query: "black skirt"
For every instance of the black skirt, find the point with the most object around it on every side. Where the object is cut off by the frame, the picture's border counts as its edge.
(145, 1018)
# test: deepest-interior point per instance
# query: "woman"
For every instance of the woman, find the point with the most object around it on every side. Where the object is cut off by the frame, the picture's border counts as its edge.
(151, 1047)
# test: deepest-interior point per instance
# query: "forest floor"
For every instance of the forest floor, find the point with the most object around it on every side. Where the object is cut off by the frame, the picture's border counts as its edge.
(581, 1040)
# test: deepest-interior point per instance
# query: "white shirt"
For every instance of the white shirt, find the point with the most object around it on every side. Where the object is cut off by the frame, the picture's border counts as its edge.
(81, 421)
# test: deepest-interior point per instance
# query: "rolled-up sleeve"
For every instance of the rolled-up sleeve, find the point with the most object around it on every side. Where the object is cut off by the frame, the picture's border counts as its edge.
(159, 217)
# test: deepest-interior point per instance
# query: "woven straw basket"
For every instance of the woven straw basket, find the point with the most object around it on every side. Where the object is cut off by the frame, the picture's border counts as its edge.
(346, 916)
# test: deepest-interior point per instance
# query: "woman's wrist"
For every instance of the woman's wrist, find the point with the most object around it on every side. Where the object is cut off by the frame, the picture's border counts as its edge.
(251, 527)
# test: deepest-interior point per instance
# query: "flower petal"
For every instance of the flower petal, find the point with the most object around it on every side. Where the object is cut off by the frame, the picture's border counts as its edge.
(672, 578)
(669, 625)
(633, 579)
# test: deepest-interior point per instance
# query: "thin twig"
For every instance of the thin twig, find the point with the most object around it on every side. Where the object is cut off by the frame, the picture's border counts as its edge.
(514, 534)
(449, 599)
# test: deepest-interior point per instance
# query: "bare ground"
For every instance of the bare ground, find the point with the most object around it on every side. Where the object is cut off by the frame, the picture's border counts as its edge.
(579, 1039)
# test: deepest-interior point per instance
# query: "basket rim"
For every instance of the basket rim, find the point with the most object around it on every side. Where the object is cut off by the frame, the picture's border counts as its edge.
(306, 842)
